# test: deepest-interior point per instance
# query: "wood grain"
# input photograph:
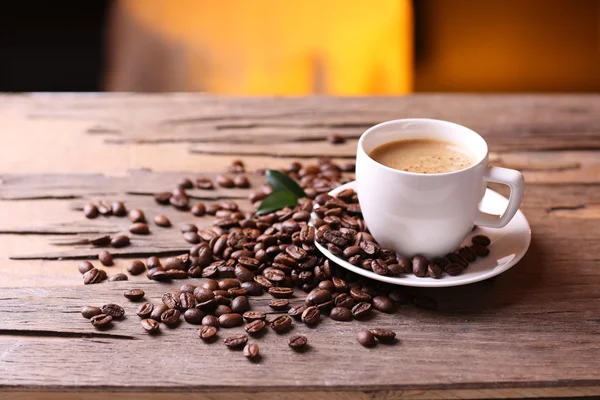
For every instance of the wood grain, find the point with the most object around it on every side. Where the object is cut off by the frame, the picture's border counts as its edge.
(530, 332)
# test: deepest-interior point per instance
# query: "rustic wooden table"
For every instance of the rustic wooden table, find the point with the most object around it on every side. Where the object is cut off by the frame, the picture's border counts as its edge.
(532, 331)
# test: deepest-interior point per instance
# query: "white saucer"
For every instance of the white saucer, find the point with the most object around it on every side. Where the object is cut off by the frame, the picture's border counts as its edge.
(509, 245)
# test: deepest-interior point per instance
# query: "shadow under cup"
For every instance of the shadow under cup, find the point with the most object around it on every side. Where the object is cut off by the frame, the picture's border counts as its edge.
(413, 213)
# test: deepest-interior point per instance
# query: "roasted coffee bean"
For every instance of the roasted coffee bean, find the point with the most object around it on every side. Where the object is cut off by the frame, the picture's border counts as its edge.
(370, 248)
(225, 284)
(153, 262)
(255, 326)
(192, 237)
(207, 333)
(360, 295)
(193, 316)
(281, 324)
(230, 320)
(188, 228)
(366, 338)
(134, 294)
(210, 320)
(114, 310)
(251, 351)
(186, 183)
(383, 304)
(243, 273)
(281, 292)
(480, 251)
(118, 277)
(175, 263)
(225, 181)
(344, 300)
(101, 320)
(301, 216)
(105, 258)
(454, 269)
(157, 311)
(253, 288)
(204, 183)
(297, 342)
(236, 341)
(240, 304)
(90, 311)
(326, 285)
(179, 201)
(311, 316)
(318, 296)
(379, 267)
(187, 300)
(274, 275)
(384, 335)
(158, 274)
(340, 314)
(102, 274)
(351, 251)
(163, 197)
(145, 310)
(171, 300)
(118, 209)
(419, 266)
(250, 316)
(279, 304)
(361, 310)
(296, 252)
(136, 267)
(85, 266)
(187, 287)
(456, 258)
(434, 270)
(199, 209)
(92, 276)
(241, 181)
(136, 215)
(325, 306)
(170, 317)
(120, 241)
(467, 254)
(150, 325)
(162, 220)
(481, 240)
(336, 139)
(203, 294)
(139, 228)
(104, 207)
(90, 211)
(296, 311)
(405, 264)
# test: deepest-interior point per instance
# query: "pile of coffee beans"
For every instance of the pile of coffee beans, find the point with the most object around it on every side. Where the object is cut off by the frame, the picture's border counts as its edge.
(243, 255)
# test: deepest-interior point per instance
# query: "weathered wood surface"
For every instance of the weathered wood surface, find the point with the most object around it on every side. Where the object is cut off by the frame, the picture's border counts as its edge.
(532, 331)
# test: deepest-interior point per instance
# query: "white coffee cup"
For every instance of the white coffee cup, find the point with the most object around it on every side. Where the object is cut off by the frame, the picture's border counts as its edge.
(428, 214)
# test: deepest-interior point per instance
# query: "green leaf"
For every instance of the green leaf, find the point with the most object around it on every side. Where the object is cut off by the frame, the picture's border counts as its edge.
(276, 201)
(281, 182)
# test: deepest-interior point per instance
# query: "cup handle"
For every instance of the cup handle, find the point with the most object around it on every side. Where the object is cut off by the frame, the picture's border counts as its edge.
(514, 180)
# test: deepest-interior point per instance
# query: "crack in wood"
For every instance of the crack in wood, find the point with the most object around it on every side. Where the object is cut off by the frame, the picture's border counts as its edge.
(565, 208)
(197, 150)
(62, 334)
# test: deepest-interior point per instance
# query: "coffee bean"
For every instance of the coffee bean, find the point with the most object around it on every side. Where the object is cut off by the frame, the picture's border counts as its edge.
(153, 262)
(345, 300)
(171, 300)
(157, 311)
(253, 288)
(241, 181)
(118, 278)
(481, 240)
(92, 276)
(369, 247)
(100, 241)
(255, 326)
(311, 316)
(114, 310)
(90, 211)
(225, 181)
(101, 320)
(365, 338)
(179, 201)
(193, 316)
(161, 220)
(318, 296)
(279, 304)
(419, 266)
(118, 208)
(199, 209)
(379, 267)
(170, 317)
(187, 300)
(225, 284)
(340, 314)
(136, 215)
(385, 335)
(105, 258)
(102, 274)
(136, 267)
(297, 342)
(434, 271)
(134, 294)
(360, 295)
(281, 323)
(361, 310)
(230, 320)
(251, 351)
(240, 304)
(454, 269)
(456, 258)
(479, 250)
(467, 254)
(104, 207)
(383, 304)
(120, 241)
(236, 341)
(150, 325)
(336, 139)
(211, 320)
(163, 197)
(207, 333)
(85, 266)
(296, 311)
(191, 237)
(158, 274)
(274, 275)
(186, 183)
(281, 292)
(90, 311)
(145, 310)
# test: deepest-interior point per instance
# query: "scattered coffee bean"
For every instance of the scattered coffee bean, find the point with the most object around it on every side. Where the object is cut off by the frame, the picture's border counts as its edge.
(204, 183)
(281, 292)
(136, 267)
(311, 316)
(118, 278)
(145, 310)
(90, 311)
(134, 294)
(163, 197)
(279, 304)
(481, 240)
(480, 251)
(385, 335)
(255, 326)
(114, 310)
(281, 324)
(365, 338)
(336, 139)
(105, 258)
(136, 215)
(85, 266)
(199, 209)
(170, 317)
(296, 312)
(162, 220)
(90, 211)
(186, 183)
(207, 333)
(236, 341)
(297, 342)
(211, 320)
(118, 209)
(100, 241)
(92, 276)
(361, 310)
(157, 311)
(419, 266)
(340, 314)
(383, 304)
(101, 320)
(434, 271)
(225, 181)
(104, 207)
(318, 296)
(150, 325)
(230, 320)
(119, 241)
(193, 316)
(240, 304)
(251, 351)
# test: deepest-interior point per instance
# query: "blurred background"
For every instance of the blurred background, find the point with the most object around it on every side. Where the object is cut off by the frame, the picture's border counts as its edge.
(265, 47)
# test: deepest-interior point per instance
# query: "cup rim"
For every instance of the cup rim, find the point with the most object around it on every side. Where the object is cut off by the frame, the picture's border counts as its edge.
(396, 121)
